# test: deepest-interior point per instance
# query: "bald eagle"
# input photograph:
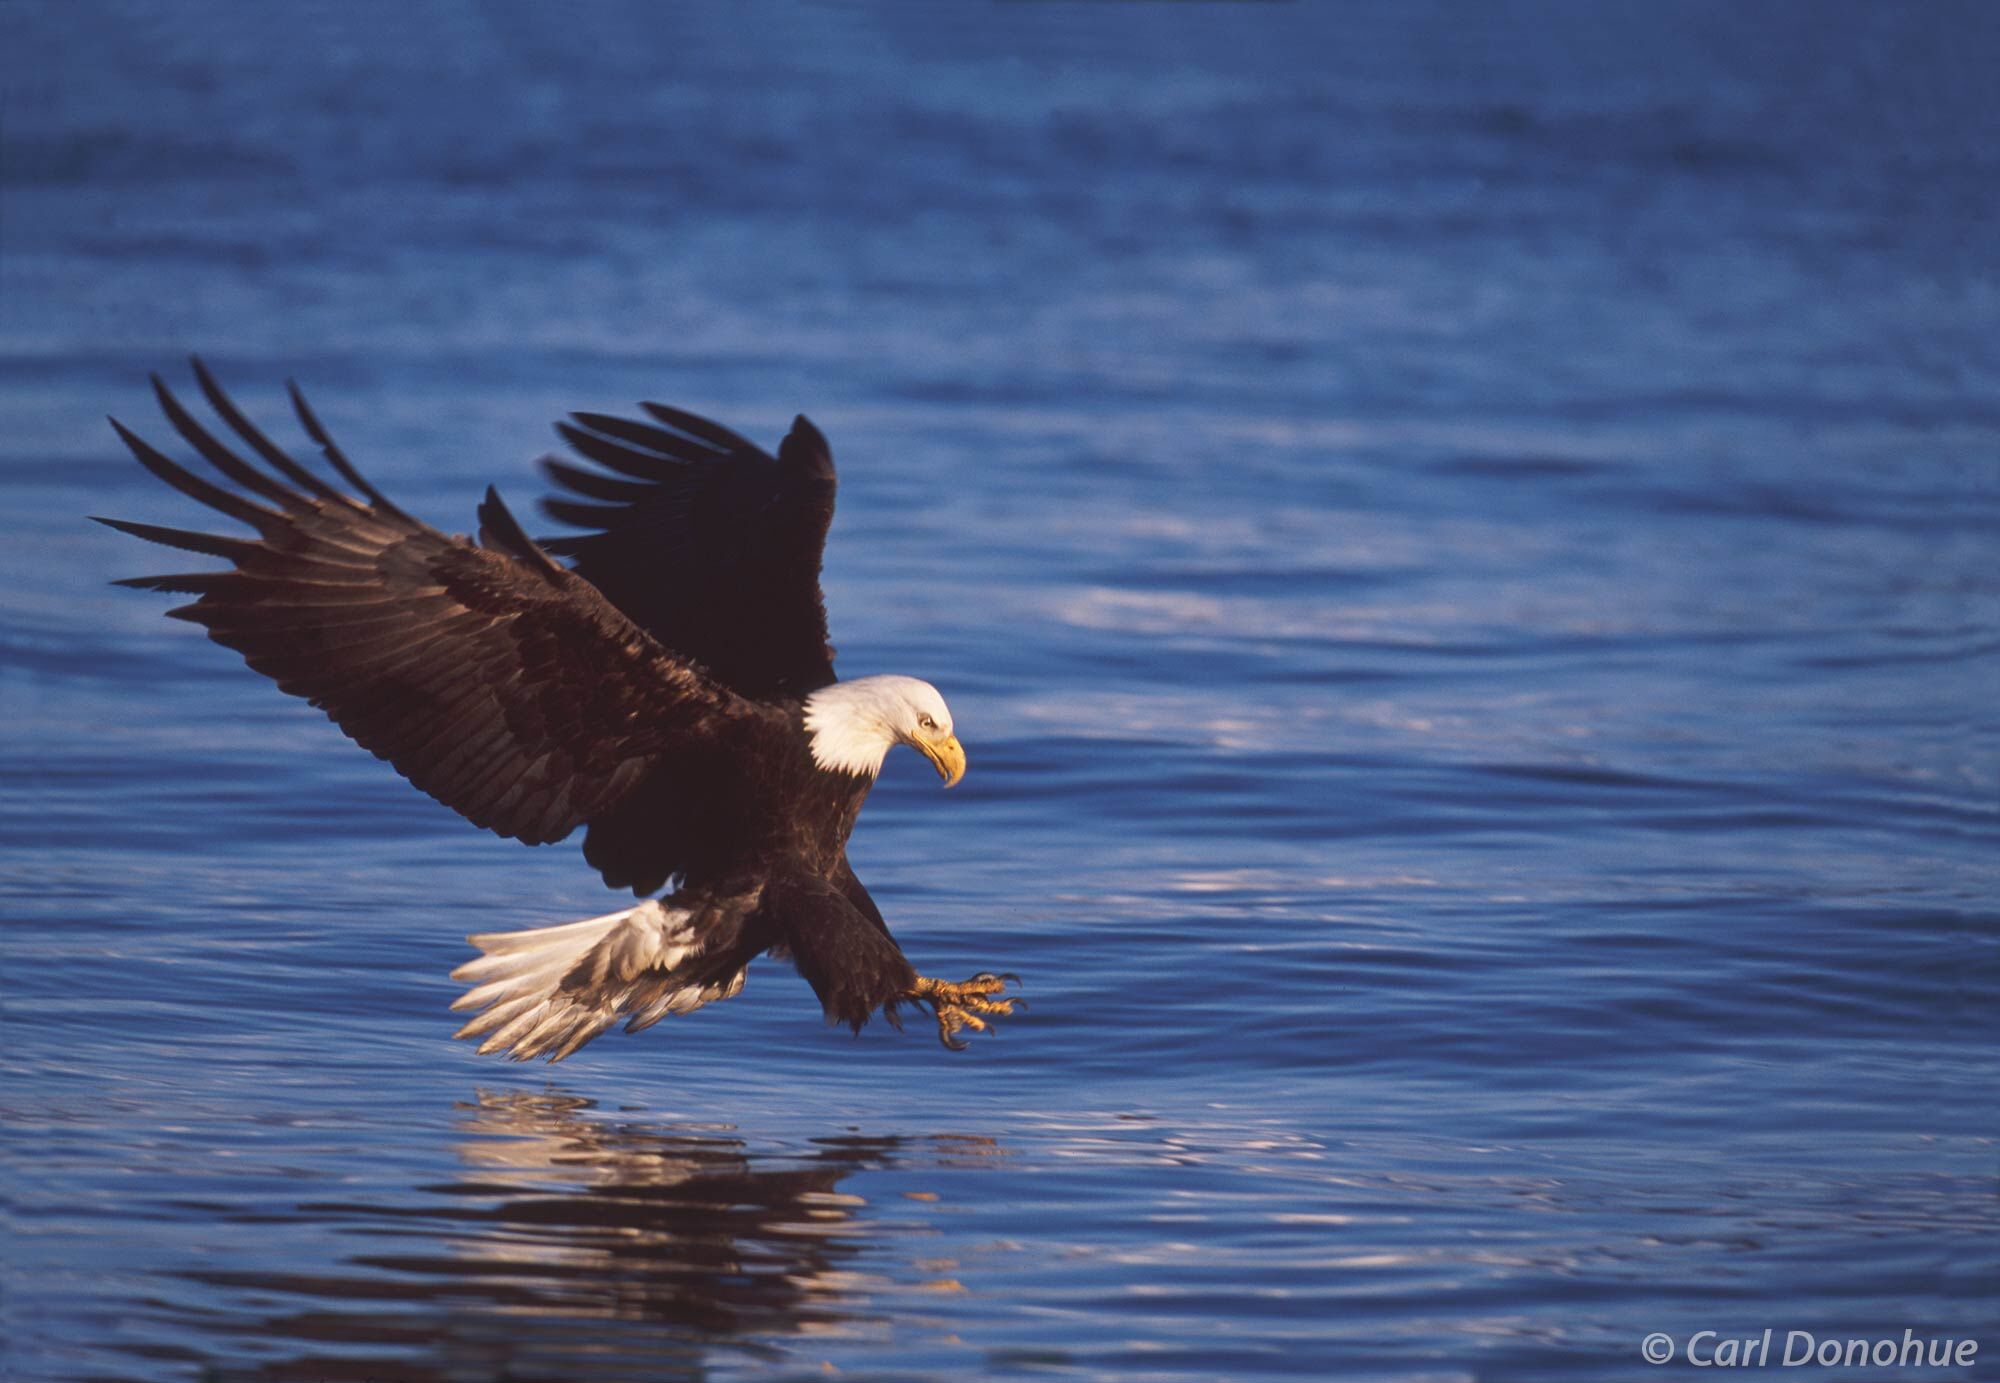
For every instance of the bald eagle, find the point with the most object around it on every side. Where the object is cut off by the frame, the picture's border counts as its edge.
(670, 688)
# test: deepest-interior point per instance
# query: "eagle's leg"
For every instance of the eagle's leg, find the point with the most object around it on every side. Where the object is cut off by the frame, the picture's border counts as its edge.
(958, 1006)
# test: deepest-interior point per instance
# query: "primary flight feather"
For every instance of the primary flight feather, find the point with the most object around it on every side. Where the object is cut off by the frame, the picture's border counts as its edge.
(672, 691)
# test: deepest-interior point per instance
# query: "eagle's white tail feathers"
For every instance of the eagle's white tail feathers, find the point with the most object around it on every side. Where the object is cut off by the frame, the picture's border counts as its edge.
(550, 990)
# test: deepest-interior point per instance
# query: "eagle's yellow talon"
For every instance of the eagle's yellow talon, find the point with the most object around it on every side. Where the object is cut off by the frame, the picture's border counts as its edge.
(958, 1006)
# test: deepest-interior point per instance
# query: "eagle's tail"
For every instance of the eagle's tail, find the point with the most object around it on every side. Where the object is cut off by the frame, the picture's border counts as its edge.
(548, 991)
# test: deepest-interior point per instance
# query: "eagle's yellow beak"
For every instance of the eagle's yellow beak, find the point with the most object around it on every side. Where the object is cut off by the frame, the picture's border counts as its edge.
(946, 755)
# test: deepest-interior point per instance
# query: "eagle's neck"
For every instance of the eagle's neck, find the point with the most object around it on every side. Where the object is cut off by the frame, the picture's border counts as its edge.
(850, 724)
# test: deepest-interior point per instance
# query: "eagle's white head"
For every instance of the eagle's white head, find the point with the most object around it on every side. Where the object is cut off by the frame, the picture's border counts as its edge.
(854, 724)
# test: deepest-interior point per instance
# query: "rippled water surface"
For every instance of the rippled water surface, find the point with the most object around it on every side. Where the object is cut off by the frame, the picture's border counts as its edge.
(1463, 552)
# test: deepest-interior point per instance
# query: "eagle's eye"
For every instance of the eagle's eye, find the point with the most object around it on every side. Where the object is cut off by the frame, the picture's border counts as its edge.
(927, 722)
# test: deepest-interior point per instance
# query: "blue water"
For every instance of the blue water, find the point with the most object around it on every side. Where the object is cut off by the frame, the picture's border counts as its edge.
(1462, 548)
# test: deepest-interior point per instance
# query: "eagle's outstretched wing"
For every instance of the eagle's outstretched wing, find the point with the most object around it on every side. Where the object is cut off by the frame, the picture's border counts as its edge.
(490, 676)
(707, 542)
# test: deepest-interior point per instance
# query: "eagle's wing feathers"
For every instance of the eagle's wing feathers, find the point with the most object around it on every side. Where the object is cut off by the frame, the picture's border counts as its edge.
(706, 541)
(489, 675)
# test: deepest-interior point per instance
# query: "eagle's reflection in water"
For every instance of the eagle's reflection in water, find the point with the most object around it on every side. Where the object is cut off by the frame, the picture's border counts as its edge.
(578, 1245)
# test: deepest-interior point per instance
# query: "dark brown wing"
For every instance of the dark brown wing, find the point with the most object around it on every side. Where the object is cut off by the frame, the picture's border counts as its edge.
(708, 543)
(488, 675)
